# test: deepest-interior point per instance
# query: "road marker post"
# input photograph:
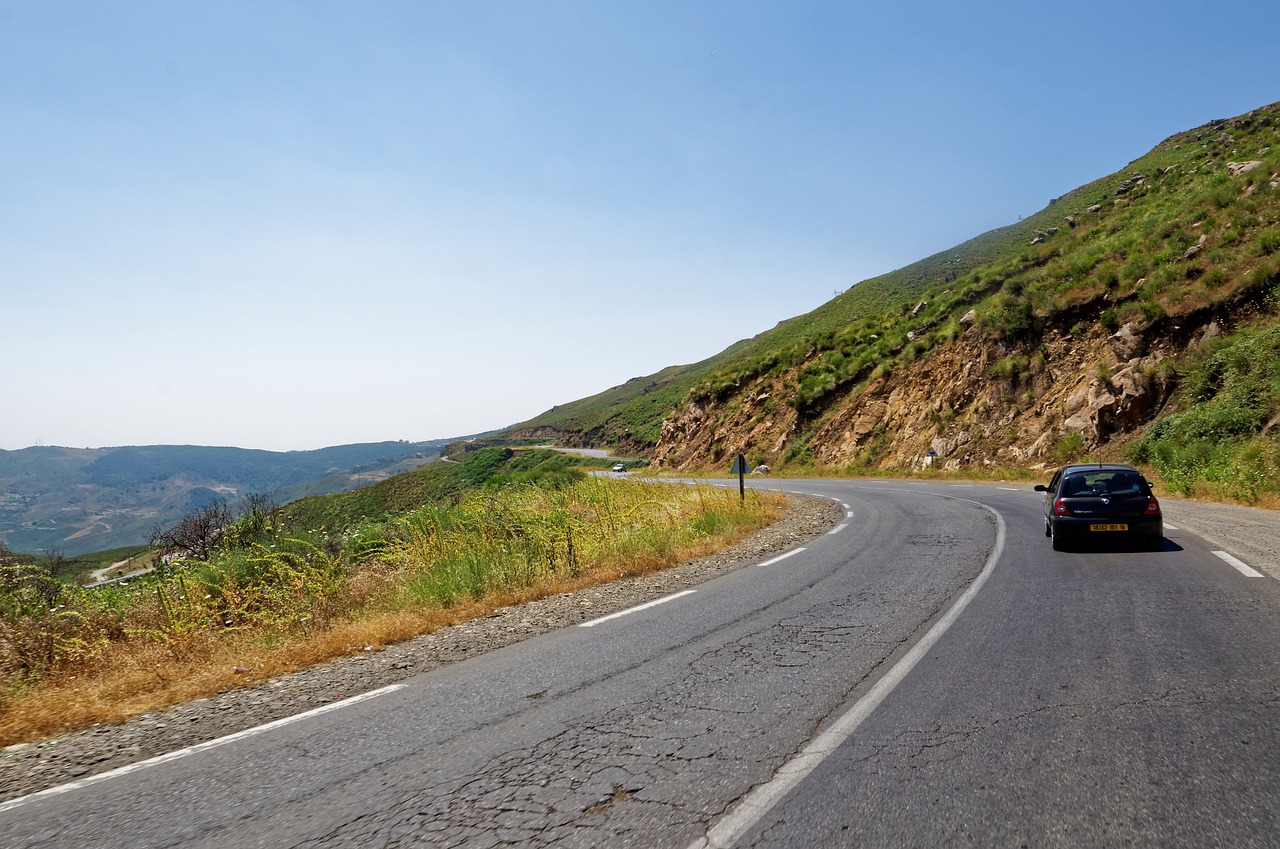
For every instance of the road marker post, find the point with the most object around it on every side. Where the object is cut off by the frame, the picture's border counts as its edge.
(740, 469)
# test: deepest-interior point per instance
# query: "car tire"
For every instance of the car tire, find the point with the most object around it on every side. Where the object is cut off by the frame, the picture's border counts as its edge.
(1059, 544)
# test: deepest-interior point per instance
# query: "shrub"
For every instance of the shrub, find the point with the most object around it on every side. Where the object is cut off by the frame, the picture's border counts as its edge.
(1008, 318)
(1069, 447)
(1269, 242)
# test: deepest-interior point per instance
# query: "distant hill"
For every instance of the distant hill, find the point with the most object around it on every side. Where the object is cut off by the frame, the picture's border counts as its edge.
(80, 500)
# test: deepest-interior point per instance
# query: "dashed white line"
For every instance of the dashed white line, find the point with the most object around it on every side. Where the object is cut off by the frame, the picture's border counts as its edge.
(1169, 527)
(635, 609)
(1240, 566)
(792, 553)
(657, 601)
(838, 528)
(199, 747)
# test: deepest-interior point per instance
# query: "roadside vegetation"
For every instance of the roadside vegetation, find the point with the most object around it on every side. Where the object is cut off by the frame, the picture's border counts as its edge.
(1221, 442)
(269, 591)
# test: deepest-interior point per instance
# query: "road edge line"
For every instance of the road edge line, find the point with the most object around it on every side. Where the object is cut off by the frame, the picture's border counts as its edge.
(1238, 564)
(178, 754)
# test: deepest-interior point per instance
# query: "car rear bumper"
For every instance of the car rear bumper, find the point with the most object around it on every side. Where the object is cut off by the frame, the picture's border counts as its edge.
(1100, 529)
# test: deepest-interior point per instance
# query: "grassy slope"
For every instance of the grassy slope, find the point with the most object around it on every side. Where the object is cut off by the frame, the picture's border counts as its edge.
(1129, 249)
(437, 483)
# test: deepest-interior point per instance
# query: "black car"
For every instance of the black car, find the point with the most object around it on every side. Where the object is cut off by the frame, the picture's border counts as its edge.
(1097, 502)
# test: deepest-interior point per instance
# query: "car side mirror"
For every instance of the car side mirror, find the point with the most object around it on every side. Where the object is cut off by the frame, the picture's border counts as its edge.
(1041, 488)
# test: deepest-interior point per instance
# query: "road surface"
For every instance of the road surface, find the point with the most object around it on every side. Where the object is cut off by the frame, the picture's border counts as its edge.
(930, 673)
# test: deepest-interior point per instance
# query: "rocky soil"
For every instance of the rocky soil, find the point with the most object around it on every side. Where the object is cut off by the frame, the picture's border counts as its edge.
(954, 402)
(27, 768)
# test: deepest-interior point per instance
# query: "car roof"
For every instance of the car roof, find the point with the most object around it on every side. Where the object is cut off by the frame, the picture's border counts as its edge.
(1095, 467)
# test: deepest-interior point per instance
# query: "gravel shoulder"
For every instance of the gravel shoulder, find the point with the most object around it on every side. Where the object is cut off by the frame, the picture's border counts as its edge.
(30, 767)
(1249, 533)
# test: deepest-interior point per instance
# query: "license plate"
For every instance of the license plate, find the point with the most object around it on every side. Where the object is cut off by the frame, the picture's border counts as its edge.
(1108, 527)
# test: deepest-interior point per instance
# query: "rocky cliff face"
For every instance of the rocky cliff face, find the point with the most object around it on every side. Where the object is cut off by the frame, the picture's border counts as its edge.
(972, 402)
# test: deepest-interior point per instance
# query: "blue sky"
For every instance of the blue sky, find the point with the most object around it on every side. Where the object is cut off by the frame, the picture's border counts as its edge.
(288, 225)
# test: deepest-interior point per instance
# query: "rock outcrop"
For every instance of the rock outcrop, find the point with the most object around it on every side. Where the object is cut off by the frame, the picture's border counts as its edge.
(972, 402)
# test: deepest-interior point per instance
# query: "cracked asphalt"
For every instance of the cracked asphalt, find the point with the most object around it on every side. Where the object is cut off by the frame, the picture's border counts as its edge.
(1093, 699)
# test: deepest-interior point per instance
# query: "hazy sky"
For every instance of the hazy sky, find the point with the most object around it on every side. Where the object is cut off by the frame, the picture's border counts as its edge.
(288, 225)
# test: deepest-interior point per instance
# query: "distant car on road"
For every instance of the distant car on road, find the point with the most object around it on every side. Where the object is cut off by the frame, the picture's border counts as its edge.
(619, 467)
(1097, 502)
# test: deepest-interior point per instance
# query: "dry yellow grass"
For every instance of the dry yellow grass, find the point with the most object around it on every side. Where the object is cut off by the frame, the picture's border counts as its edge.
(141, 675)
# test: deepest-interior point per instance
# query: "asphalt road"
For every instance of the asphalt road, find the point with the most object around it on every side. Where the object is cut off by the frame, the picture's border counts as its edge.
(930, 673)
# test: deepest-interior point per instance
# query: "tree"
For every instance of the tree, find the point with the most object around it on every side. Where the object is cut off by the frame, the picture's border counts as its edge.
(196, 534)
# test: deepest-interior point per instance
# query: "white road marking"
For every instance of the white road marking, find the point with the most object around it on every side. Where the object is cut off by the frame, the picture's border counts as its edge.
(792, 553)
(636, 609)
(1010, 489)
(1242, 567)
(848, 514)
(838, 528)
(760, 801)
(199, 747)
(1169, 527)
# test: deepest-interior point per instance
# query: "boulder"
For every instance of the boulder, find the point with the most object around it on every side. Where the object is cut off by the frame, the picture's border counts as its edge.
(1235, 169)
(1212, 330)
(1126, 343)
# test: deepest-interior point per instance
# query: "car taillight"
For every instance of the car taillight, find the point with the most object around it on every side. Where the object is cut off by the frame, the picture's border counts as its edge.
(1060, 508)
(1153, 506)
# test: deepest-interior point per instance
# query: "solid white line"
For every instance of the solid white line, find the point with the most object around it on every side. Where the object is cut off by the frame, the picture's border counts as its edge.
(838, 528)
(1242, 567)
(760, 801)
(199, 747)
(635, 609)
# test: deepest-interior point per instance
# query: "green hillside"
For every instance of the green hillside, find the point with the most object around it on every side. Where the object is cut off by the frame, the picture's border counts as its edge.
(1177, 232)
(630, 416)
(435, 483)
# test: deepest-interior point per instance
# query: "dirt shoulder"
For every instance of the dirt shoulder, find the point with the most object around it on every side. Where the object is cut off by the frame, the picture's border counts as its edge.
(32, 767)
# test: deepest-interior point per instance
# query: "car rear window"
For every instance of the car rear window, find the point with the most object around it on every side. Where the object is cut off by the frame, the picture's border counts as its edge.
(1104, 483)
